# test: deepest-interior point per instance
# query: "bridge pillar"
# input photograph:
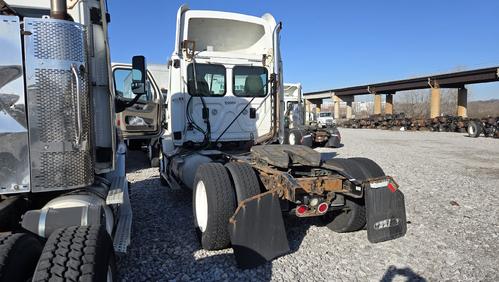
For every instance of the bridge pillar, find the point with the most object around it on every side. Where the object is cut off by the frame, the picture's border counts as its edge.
(389, 104)
(435, 102)
(462, 102)
(377, 104)
(336, 101)
(308, 111)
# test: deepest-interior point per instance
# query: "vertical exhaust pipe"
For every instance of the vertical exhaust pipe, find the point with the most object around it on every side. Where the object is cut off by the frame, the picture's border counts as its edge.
(58, 9)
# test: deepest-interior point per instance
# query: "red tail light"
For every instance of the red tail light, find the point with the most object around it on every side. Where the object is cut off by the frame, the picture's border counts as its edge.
(300, 210)
(322, 208)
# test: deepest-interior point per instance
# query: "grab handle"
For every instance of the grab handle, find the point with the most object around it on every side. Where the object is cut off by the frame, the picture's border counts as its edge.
(79, 130)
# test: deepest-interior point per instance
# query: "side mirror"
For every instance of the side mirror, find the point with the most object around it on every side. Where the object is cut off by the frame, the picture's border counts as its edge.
(139, 73)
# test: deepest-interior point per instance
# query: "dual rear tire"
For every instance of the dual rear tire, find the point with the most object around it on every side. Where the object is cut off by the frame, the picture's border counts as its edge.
(217, 191)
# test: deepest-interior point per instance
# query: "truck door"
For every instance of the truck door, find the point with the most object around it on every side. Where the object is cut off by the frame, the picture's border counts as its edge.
(143, 119)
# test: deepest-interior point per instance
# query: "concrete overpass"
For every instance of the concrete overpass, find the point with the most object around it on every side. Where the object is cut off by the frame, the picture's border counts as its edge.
(457, 80)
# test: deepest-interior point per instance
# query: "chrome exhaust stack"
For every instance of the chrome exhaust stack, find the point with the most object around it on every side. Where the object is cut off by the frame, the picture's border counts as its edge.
(58, 9)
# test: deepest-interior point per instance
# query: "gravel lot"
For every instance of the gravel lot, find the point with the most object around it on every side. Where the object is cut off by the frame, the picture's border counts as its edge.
(451, 184)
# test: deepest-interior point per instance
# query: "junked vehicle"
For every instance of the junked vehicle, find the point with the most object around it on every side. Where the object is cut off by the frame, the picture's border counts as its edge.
(225, 100)
(296, 132)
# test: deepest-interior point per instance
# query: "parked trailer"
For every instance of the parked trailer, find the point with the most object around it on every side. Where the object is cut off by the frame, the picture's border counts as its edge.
(224, 107)
(296, 132)
(64, 205)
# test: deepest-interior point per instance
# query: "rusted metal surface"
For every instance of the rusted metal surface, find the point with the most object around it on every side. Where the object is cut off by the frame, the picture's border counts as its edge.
(319, 185)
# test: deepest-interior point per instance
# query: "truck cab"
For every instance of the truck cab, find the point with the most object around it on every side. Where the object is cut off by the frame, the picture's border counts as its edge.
(62, 156)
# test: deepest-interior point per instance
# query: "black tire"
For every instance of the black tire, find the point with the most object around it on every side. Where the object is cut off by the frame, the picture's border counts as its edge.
(19, 254)
(221, 204)
(474, 129)
(154, 157)
(77, 253)
(245, 181)
(297, 135)
(353, 216)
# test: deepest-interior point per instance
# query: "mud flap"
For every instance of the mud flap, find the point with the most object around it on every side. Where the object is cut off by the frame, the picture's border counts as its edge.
(257, 231)
(386, 219)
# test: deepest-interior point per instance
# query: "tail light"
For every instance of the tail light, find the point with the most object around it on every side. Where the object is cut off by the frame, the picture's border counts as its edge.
(301, 210)
(322, 208)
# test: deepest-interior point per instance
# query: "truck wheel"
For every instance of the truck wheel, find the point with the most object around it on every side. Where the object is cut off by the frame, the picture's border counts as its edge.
(77, 253)
(18, 256)
(245, 180)
(153, 151)
(474, 129)
(353, 216)
(294, 137)
(214, 202)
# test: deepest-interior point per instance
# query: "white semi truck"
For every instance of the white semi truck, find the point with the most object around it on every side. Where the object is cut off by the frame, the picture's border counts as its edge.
(64, 206)
(296, 131)
(225, 109)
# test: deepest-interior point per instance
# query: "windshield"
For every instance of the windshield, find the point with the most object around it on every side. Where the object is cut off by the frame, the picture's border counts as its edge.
(325, 114)
(249, 81)
(210, 80)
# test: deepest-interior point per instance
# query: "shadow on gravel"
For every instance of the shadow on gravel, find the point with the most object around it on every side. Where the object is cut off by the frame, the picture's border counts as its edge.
(136, 160)
(297, 229)
(393, 272)
(164, 245)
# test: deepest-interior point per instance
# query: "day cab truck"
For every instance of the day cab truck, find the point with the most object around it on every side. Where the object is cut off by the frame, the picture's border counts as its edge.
(296, 132)
(64, 205)
(225, 110)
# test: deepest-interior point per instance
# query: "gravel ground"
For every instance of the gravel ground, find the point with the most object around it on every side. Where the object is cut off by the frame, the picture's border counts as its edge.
(451, 184)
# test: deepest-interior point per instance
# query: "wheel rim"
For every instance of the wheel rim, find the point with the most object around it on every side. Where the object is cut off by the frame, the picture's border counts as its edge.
(292, 139)
(471, 130)
(201, 206)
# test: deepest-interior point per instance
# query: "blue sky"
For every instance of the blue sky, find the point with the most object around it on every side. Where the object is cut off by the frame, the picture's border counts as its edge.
(331, 44)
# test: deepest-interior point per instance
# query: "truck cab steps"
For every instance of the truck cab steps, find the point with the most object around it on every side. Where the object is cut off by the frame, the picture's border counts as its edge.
(118, 194)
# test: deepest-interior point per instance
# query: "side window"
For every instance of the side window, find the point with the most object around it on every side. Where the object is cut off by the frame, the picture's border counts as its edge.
(123, 86)
(250, 81)
(209, 80)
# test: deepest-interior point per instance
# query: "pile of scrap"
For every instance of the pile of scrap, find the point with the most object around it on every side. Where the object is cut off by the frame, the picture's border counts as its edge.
(489, 126)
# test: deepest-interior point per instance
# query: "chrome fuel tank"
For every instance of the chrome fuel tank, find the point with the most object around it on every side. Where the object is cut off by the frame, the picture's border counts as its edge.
(14, 153)
(59, 119)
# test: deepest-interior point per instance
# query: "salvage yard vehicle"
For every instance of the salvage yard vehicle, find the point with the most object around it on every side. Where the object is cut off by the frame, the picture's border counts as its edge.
(142, 124)
(325, 118)
(64, 205)
(225, 100)
(489, 127)
(296, 132)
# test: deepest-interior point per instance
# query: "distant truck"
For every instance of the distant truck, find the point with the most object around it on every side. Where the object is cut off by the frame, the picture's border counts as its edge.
(325, 119)
(296, 132)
